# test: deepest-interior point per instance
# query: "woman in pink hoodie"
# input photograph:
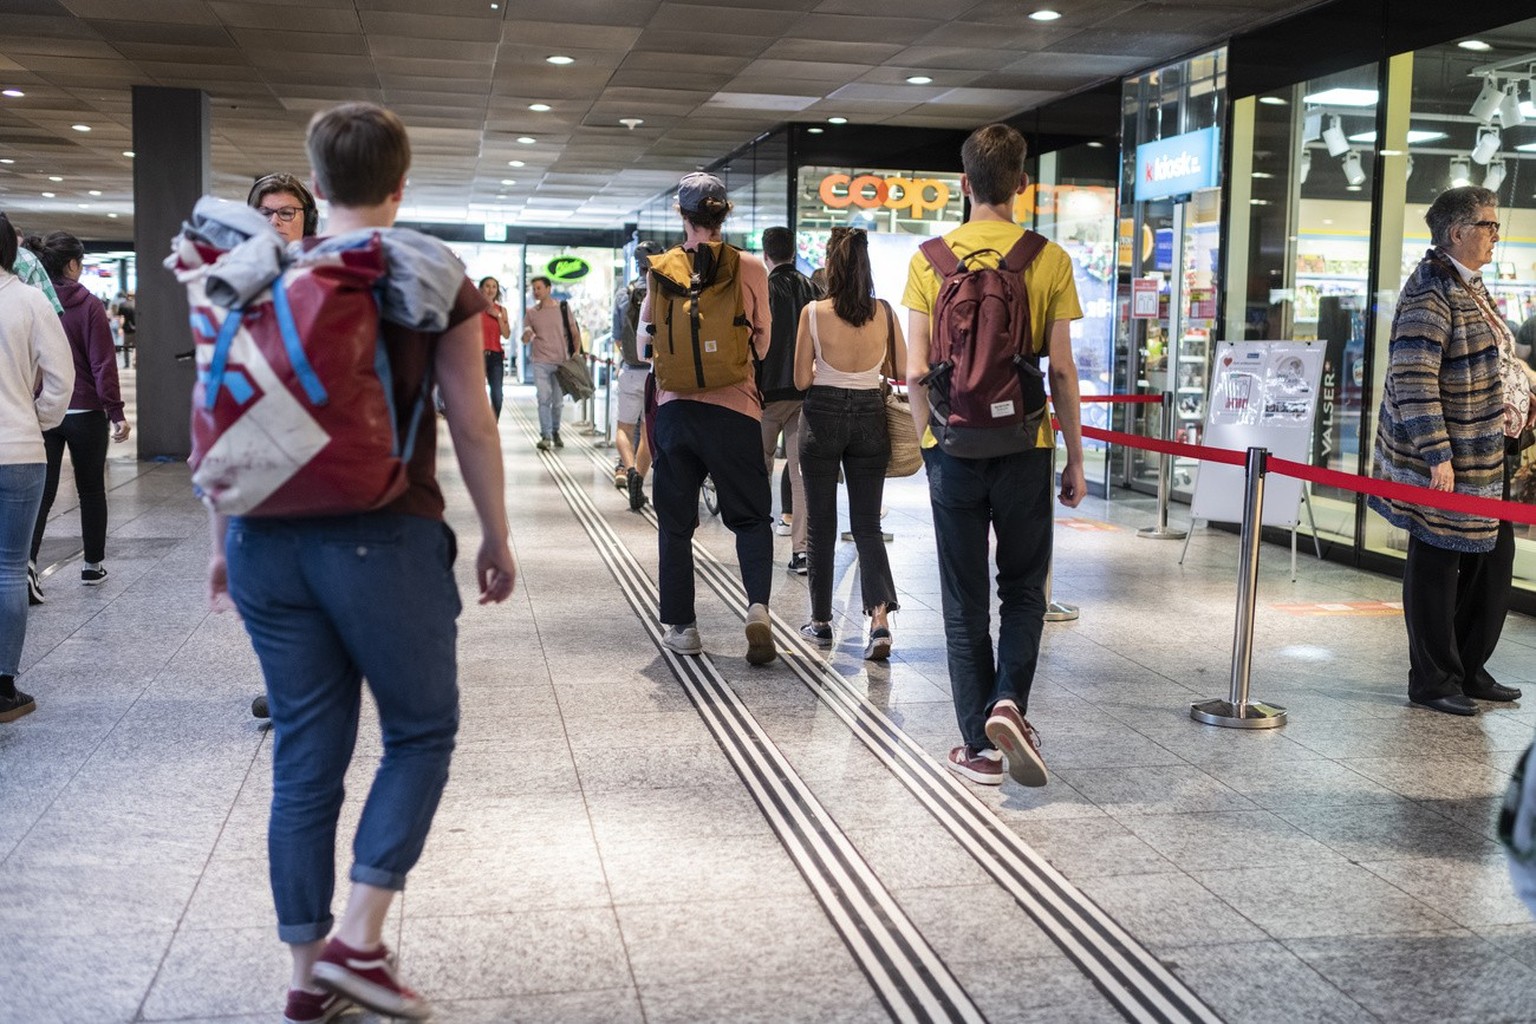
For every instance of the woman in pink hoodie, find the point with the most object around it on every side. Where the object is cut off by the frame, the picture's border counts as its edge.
(95, 408)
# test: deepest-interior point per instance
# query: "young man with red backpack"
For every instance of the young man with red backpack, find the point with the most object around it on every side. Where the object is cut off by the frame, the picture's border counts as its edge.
(985, 303)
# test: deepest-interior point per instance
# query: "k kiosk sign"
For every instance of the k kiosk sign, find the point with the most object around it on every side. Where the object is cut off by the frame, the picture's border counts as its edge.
(1178, 166)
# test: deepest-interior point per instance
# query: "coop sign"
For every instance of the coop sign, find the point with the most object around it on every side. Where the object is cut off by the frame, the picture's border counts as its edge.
(869, 191)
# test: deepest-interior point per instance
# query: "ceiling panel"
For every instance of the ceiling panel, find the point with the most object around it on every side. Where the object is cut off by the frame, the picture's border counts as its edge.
(705, 76)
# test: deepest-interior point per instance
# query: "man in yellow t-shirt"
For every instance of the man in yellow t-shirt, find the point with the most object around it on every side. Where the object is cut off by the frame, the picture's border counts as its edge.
(1006, 494)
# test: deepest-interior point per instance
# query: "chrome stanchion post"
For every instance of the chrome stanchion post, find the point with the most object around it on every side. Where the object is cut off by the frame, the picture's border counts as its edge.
(1237, 711)
(1164, 482)
(1055, 611)
(589, 404)
(607, 439)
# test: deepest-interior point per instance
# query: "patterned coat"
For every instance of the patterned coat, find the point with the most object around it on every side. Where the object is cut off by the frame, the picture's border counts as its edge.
(1443, 400)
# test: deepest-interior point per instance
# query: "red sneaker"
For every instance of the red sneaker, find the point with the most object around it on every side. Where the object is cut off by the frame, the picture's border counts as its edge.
(313, 1007)
(983, 767)
(369, 980)
(1019, 742)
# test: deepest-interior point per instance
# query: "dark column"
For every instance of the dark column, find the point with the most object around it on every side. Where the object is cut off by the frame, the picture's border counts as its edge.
(170, 172)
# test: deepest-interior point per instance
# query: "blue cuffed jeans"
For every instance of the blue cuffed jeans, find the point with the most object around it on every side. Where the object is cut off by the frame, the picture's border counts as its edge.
(21, 492)
(1010, 497)
(551, 400)
(328, 603)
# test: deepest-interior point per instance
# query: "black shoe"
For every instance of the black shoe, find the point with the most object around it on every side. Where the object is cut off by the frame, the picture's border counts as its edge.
(542, 444)
(636, 490)
(34, 587)
(259, 707)
(91, 577)
(1495, 691)
(12, 708)
(558, 443)
(798, 564)
(1452, 704)
(819, 633)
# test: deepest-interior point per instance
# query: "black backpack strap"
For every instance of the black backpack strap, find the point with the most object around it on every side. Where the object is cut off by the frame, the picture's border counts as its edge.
(565, 322)
(1023, 252)
(941, 256)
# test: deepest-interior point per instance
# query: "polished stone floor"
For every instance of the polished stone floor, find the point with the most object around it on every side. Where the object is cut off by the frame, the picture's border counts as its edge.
(600, 856)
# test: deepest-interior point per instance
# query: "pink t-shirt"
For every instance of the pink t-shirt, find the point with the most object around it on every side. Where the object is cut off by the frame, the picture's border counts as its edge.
(742, 397)
(549, 344)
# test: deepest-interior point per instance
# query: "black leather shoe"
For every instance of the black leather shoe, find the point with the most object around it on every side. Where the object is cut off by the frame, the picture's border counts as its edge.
(1495, 691)
(1453, 704)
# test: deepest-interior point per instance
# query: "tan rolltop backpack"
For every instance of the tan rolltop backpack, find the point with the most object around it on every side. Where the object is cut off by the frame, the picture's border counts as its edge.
(700, 336)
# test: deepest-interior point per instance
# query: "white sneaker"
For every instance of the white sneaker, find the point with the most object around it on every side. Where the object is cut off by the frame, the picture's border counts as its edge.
(760, 649)
(683, 639)
(783, 527)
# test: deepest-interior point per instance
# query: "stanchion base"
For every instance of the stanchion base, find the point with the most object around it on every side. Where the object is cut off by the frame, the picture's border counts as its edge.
(1155, 533)
(1058, 612)
(1253, 715)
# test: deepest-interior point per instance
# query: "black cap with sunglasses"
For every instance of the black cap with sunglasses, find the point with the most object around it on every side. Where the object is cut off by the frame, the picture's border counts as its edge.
(274, 183)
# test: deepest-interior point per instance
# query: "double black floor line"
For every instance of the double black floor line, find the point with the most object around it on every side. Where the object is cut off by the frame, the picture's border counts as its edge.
(1128, 974)
(906, 974)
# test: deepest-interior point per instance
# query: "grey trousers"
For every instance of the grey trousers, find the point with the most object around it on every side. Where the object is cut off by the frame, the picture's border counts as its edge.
(785, 417)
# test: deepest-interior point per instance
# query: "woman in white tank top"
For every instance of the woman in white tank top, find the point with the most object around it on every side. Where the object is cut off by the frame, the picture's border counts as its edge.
(845, 343)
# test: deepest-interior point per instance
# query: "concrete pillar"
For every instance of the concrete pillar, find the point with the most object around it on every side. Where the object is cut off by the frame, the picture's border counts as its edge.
(171, 170)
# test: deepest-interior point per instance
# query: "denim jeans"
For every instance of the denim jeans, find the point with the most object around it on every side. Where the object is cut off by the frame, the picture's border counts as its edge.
(495, 374)
(694, 439)
(843, 428)
(86, 435)
(21, 489)
(1009, 495)
(328, 603)
(550, 398)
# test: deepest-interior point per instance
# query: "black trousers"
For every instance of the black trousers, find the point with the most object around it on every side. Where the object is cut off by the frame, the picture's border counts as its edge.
(495, 372)
(844, 429)
(1454, 605)
(86, 435)
(695, 439)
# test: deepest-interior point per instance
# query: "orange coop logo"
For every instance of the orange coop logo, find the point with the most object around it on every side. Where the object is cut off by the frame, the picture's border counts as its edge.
(918, 195)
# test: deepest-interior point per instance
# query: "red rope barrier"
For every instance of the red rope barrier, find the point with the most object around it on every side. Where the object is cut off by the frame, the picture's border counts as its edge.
(1122, 399)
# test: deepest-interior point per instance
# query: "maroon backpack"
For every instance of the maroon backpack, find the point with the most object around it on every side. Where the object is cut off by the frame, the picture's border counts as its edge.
(986, 394)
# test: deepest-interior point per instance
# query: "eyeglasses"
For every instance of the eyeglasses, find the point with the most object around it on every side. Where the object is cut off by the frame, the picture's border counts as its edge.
(282, 213)
(1491, 225)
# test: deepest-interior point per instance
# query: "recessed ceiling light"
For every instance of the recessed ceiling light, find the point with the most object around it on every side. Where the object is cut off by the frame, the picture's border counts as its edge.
(1415, 136)
(94, 192)
(527, 140)
(631, 122)
(1273, 101)
(508, 181)
(48, 195)
(1351, 188)
(1262, 174)
(540, 107)
(83, 206)
(112, 215)
(6, 160)
(515, 163)
(918, 80)
(128, 153)
(814, 131)
(495, 7)
(1475, 45)
(14, 94)
(1258, 202)
(54, 177)
(560, 58)
(81, 127)
(837, 120)
(1095, 145)
(1343, 98)
(1045, 15)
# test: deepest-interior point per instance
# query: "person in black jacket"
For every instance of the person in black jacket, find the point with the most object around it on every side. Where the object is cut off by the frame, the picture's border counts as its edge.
(788, 292)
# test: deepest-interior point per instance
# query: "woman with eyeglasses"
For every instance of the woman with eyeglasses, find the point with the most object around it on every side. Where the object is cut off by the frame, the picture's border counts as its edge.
(846, 342)
(287, 204)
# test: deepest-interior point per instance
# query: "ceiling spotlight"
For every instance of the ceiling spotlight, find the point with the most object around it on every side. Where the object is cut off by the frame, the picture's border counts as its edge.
(1045, 15)
(560, 58)
(81, 127)
(631, 122)
(48, 195)
(538, 107)
(837, 120)
(54, 177)
(1305, 167)
(1333, 135)
(527, 140)
(1461, 172)
(1488, 99)
(918, 80)
(14, 94)
(1487, 144)
(112, 215)
(515, 163)
(1272, 101)
(508, 181)
(1353, 172)
(95, 192)
(814, 131)
(6, 160)
(1510, 114)
(1495, 176)
(129, 154)
(1475, 45)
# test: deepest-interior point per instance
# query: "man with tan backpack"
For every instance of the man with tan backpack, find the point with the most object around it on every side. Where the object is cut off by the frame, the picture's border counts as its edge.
(706, 320)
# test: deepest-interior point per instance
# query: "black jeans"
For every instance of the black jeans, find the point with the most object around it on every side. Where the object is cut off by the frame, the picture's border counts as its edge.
(495, 370)
(844, 428)
(1009, 496)
(1454, 605)
(694, 439)
(86, 435)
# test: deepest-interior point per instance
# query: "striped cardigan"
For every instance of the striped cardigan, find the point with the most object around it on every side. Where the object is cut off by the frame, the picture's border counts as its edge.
(1443, 400)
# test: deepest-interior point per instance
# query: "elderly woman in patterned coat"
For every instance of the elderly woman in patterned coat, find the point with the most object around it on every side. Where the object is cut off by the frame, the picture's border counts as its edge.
(1454, 403)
